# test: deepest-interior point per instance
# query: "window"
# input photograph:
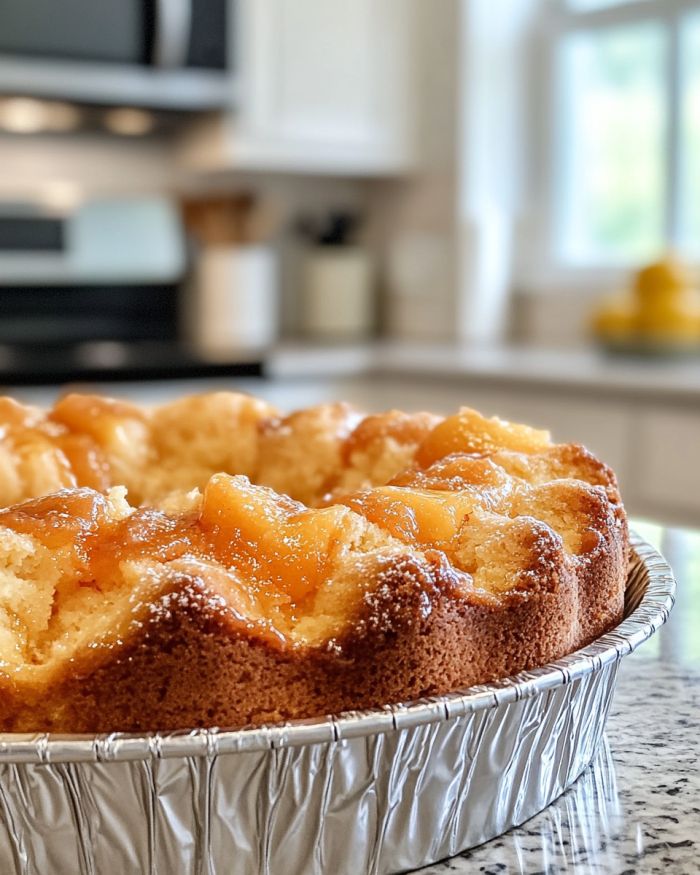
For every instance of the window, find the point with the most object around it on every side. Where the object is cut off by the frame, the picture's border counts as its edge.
(625, 178)
(689, 202)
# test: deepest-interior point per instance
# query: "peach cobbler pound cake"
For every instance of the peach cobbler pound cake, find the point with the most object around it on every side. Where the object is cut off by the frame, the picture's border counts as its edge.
(212, 562)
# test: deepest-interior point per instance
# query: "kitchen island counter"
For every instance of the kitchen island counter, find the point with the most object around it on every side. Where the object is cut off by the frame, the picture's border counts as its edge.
(587, 370)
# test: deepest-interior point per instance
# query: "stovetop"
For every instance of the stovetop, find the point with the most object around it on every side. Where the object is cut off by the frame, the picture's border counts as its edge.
(107, 361)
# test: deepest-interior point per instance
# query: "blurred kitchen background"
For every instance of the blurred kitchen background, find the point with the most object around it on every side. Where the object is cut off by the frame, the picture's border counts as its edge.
(396, 202)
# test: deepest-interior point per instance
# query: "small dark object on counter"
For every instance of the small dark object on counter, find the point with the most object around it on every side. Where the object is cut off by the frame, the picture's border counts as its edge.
(335, 229)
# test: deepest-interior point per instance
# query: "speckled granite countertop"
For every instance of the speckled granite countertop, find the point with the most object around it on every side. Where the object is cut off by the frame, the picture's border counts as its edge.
(637, 809)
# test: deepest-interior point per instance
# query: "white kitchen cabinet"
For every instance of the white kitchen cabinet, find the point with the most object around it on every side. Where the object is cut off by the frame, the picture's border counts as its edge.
(320, 87)
(668, 447)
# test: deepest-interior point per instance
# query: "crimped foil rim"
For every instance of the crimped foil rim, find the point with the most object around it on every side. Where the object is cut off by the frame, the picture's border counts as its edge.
(649, 571)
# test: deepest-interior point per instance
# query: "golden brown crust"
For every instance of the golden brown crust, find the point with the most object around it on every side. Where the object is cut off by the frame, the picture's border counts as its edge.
(191, 662)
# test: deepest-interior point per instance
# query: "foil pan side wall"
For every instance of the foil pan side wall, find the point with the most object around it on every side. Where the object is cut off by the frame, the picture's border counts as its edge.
(380, 804)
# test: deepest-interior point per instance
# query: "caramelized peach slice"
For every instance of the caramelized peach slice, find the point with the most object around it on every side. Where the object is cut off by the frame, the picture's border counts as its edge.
(277, 541)
(94, 415)
(415, 517)
(118, 429)
(114, 425)
(455, 472)
(16, 415)
(490, 487)
(86, 460)
(470, 432)
(63, 518)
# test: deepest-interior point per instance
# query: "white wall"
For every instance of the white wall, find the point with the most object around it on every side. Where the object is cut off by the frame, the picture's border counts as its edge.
(34, 166)
(413, 219)
(446, 233)
(492, 133)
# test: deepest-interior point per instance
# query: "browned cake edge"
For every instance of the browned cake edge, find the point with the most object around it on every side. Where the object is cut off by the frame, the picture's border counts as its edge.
(189, 663)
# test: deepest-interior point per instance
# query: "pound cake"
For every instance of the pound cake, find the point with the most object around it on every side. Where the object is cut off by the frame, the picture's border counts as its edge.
(212, 562)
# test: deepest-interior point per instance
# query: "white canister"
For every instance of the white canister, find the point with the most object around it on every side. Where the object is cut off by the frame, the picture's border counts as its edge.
(337, 292)
(234, 302)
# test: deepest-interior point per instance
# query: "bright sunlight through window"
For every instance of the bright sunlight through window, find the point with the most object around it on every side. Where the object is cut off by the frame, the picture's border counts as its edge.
(627, 131)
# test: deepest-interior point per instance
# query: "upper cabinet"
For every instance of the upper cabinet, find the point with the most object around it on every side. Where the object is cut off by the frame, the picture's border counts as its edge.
(320, 87)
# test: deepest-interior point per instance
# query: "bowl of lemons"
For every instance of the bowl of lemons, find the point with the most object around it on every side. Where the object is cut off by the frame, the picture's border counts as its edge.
(659, 314)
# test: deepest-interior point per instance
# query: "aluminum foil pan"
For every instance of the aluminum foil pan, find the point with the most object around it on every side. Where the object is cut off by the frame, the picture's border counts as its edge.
(379, 791)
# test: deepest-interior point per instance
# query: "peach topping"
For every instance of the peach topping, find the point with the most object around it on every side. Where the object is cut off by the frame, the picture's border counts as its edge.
(74, 435)
(78, 521)
(469, 432)
(270, 536)
(283, 548)
(417, 518)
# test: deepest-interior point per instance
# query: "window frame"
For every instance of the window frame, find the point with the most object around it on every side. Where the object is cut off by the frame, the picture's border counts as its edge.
(540, 266)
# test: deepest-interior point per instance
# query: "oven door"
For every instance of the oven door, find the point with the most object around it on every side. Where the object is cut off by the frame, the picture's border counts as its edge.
(84, 30)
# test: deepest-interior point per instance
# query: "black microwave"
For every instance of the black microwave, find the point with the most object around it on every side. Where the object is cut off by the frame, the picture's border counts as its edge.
(154, 33)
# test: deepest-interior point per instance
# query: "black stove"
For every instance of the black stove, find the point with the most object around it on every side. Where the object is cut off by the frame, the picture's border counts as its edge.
(112, 361)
